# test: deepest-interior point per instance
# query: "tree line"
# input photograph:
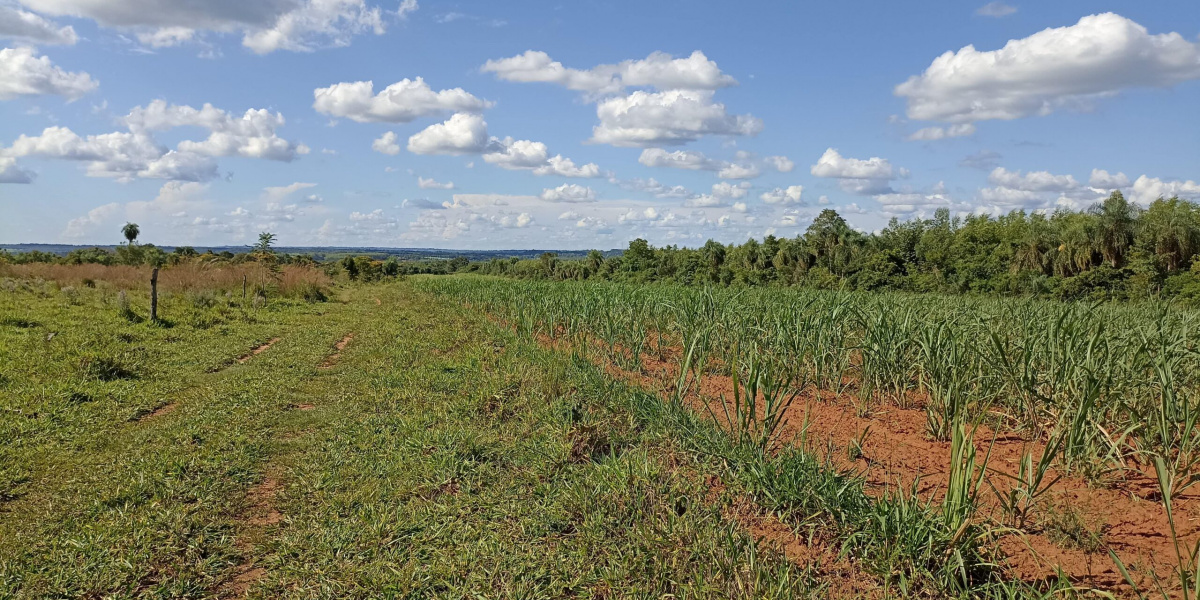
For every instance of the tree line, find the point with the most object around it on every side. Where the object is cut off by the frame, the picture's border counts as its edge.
(1112, 250)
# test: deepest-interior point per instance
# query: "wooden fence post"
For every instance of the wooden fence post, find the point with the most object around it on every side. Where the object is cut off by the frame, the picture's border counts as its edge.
(154, 295)
(243, 290)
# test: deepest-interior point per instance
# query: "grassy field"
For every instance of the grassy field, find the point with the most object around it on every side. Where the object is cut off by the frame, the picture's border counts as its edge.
(435, 454)
(487, 438)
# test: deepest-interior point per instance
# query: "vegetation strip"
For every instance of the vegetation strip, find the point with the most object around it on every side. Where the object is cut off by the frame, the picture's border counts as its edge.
(780, 345)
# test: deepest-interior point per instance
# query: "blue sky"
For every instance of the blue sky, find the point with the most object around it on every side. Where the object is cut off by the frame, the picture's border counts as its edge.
(578, 125)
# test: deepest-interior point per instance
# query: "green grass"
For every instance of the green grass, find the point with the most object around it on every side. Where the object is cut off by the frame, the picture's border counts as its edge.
(443, 457)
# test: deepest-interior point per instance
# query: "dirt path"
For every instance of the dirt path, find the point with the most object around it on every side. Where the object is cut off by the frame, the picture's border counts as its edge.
(332, 359)
(241, 360)
(257, 516)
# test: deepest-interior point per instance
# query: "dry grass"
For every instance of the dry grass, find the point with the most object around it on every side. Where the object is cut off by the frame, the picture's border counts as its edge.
(184, 278)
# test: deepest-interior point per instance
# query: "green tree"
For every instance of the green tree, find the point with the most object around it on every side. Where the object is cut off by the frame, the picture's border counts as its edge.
(1171, 230)
(131, 232)
(1117, 221)
(265, 240)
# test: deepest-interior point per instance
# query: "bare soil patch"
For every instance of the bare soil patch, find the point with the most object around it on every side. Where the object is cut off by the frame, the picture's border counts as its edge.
(896, 452)
(258, 514)
(256, 351)
(332, 359)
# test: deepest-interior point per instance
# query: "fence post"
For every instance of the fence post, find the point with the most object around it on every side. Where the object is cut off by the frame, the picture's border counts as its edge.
(243, 290)
(154, 295)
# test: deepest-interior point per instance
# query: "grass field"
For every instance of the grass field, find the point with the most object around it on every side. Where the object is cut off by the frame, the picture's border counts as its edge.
(435, 455)
(476, 437)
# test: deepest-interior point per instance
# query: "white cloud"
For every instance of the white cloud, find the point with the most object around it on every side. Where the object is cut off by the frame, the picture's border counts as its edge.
(652, 186)
(533, 156)
(1108, 181)
(782, 164)
(667, 118)
(790, 195)
(659, 70)
(857, 176)
(833, 164)
(922, 204)
(433, 184)
(11, 173)
(386, 144)
(250, 136)
(995, 9)
(24, 26)
(135, 153)
(23, 74)
(1065, 66)
(277, 194)
(166, 37)
(1034, 181)
(929, 134)
(463, 133)
(703, 201)
(81, 226)
(401, 102)
(1147, 190)
(726, 189)
(569, 192)
(680, 159)
(738, 171)
(318, 23)
(266, 25)
(739, 207)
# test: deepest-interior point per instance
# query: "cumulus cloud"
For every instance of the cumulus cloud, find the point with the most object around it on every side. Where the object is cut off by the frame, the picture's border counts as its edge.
(858, 176)
(533, 156)
(1102, 179)
(1034, 181)
(569, 192)
(24, 26)
(386, 144)
(266, 25)
(659, 70)
(463, 133)
(726, 189)
(126, 155)
(1054, 68)
(433, 184)
(252, 135)
(401, 102)
(11, 173)
(673, 117)
(692, 160)
(24, 74)
(789, 195)
(1148, 189)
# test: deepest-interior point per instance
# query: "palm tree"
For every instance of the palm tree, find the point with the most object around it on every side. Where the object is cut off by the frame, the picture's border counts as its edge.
(1117, 220)
(595, 260)
(1172, 228)
(130, 231)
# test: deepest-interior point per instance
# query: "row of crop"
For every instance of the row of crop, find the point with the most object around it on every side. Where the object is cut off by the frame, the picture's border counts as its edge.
(1106, 388)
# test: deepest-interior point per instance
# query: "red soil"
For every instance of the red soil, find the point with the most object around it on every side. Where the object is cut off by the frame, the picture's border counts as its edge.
(896, 453)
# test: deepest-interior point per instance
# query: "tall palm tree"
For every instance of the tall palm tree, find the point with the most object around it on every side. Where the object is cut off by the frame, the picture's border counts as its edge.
(1117, 219)
(130, 231)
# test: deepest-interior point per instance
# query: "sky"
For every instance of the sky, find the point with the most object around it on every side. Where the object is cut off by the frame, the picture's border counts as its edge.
(576, 125)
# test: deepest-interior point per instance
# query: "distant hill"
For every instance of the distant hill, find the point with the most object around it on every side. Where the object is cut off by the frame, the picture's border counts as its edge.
(333, 252)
